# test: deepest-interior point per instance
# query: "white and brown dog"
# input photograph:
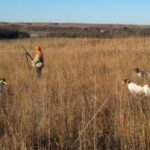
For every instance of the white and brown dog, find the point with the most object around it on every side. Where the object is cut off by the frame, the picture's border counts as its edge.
(141, 73)
(137, 89)
(2, 83)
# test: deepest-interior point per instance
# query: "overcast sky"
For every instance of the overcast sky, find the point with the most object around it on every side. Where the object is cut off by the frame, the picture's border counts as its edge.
(76, 11)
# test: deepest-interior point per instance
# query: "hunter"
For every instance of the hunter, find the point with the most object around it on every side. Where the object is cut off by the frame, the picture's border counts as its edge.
(38, 61)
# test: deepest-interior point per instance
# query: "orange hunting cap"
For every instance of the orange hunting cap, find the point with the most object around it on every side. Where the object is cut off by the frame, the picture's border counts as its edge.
(38, 48)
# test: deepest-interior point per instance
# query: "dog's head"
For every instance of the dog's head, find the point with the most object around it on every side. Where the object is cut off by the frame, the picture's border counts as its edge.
(137, 70)
(3, 81)
(126, 81)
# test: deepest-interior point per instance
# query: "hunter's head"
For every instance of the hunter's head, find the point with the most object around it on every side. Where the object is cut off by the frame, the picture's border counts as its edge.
(37, 48)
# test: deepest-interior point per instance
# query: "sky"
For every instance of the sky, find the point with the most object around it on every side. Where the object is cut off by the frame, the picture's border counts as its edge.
(76, 11)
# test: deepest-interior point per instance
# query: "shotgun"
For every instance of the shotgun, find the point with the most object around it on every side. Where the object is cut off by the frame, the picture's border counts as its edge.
(27, 54)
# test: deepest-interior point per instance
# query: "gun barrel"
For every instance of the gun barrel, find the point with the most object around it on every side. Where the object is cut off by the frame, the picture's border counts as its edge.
(27, 53)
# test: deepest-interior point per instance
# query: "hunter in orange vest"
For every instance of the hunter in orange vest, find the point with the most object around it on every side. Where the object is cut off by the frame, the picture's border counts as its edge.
(38, 61)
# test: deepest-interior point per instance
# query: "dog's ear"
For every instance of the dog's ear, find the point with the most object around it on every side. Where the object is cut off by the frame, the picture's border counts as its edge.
(137, 70)
(126, 81)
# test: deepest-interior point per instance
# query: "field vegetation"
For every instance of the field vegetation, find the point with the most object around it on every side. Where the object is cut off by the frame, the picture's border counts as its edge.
(80, 75)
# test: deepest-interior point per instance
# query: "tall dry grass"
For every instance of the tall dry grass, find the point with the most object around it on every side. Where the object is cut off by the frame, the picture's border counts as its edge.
(79, 76)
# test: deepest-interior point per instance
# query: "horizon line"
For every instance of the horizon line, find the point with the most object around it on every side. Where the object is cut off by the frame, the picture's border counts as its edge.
(82, 23)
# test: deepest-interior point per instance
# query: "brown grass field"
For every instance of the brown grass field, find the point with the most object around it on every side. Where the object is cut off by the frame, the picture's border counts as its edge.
(79, 76)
